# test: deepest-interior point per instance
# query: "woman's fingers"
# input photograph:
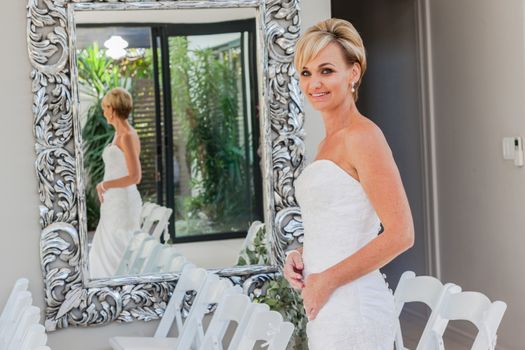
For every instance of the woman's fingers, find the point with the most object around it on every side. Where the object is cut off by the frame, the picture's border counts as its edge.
(297, 261)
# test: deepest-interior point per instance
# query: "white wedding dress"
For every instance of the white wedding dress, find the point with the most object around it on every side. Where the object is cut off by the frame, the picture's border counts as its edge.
(119, 217)
(338, 220)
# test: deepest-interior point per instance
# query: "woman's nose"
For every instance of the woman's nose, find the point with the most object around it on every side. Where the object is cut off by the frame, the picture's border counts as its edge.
(316, 83)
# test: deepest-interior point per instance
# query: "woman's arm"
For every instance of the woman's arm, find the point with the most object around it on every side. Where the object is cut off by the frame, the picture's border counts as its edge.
(131, 153)
(378, 174)
(372, 159)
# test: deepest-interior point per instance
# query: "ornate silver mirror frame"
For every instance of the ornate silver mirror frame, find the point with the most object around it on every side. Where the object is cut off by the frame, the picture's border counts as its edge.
(73, 300)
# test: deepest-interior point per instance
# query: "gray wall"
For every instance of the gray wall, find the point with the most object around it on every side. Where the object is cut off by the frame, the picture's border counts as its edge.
(478, 54)
(390, 97)
(19, 251)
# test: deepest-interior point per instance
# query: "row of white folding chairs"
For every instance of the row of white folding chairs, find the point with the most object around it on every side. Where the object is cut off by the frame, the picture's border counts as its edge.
(154, 219)
(255, 322)
(19, 322)
(448, 303)
(145, 254)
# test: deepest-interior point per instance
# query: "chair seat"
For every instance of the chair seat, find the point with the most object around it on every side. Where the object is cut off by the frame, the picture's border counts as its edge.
(142, 343)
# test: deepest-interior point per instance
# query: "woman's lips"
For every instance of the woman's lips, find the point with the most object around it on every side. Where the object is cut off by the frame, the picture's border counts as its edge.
(318, 95)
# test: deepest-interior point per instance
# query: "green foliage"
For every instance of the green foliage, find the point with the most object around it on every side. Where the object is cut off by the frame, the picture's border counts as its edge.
(99, 74)
(279, 295)
(205, 100)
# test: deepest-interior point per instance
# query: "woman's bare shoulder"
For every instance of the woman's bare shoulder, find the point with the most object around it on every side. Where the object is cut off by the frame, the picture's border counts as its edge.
(363, 133)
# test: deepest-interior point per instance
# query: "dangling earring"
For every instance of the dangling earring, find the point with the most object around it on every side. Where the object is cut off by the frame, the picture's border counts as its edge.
(353, 86)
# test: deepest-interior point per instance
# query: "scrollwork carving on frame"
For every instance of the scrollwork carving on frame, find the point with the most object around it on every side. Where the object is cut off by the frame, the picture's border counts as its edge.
(71, 299)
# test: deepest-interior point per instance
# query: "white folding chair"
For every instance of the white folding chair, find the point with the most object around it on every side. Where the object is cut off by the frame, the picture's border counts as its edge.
(476, 308)
(231, 308)
(36, 337)
(29, 316)
(253, 309)
(191, 279)
(147, 208)
(160, 259)
(9, 311)
(151, 258)
(267, 326)
(134, 245)
(141, 255)
(176, 264)
(16, 306)
(425, 289)
(160, 218)
(193, 332)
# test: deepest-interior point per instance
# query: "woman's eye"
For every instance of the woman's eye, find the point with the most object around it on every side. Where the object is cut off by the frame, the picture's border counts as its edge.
(326, 71)
(305, 73)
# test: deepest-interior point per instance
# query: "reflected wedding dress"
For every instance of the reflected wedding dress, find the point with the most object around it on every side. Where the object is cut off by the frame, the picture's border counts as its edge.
(119, 217)
(338, 220)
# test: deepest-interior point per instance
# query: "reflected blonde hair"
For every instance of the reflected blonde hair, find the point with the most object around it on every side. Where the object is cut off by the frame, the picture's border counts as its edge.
(121, 102)
(329, 31)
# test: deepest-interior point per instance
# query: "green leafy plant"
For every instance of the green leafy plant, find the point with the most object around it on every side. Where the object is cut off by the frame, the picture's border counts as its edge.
(206, 105)
(279, 295)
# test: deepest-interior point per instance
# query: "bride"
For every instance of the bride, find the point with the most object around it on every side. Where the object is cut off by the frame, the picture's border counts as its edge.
(120, 201)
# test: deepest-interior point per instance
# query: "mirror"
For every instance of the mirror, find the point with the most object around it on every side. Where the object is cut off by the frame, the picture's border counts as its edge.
(199, 145)
(272, 96)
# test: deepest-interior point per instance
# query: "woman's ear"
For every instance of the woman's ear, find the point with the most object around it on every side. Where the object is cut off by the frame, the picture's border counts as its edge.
(355, 72)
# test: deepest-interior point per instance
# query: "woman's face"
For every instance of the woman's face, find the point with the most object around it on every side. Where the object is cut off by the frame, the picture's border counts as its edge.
(327, 79)
(108, 111)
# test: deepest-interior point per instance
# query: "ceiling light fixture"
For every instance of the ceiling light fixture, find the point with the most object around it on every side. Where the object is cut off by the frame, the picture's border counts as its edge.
(116, 47)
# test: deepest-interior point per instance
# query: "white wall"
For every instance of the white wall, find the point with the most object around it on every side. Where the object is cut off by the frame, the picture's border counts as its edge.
(477, 48)
(19, 251)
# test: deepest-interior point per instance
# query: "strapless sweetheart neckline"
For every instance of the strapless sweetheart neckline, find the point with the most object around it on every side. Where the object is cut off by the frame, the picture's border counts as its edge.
(333, 164)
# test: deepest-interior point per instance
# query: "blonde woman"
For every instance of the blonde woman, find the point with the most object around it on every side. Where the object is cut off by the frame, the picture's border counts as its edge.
(352, 187)
(120, 200)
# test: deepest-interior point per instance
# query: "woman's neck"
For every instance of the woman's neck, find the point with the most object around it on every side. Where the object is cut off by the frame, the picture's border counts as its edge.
(339, 117)
(122, 126)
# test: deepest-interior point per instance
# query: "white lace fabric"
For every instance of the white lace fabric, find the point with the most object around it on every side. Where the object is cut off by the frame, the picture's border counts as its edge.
(339, 219)
(119, 217)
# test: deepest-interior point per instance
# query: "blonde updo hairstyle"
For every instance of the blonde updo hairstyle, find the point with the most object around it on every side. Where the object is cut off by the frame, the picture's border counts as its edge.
(329, 31)
(121, 102)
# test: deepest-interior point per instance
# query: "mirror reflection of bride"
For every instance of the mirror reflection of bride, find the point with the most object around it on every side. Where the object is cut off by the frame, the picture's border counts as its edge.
(120, 201)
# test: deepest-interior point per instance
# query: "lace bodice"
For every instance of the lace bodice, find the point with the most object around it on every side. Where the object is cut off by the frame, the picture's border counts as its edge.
(338, 220)
(114, 162)
(337, 215)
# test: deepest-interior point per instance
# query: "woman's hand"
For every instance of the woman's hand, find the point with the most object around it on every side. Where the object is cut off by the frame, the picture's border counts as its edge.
(100, 191)
(315, 293)
(293, 269)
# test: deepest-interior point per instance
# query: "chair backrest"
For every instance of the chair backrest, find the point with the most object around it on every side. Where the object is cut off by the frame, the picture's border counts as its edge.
(20, 285)
(22, 301)
(8, 312)
(253, 309)
(176, 264)
(160, 217)
(162, 256)
(476, 308)
(145, 250)
(212, 293)
(425, 289)
(265, 326)
(147, 208)
(132, 249)
(231, 308)
(151, 256)
(191, 279)
(281, 340)
(29, 317)
(36, 337)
